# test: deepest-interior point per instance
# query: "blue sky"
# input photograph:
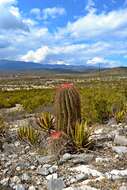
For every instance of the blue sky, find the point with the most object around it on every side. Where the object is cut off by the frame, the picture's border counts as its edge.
(76, 32)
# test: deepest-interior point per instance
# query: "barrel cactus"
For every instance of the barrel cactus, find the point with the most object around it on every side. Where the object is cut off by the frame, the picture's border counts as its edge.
(67, 108)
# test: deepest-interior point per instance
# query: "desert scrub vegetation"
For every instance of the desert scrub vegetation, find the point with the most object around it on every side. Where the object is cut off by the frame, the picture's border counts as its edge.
(100, 100)
(30, 99)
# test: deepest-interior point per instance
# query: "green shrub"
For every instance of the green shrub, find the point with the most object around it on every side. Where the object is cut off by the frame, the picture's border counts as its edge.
(101, 107)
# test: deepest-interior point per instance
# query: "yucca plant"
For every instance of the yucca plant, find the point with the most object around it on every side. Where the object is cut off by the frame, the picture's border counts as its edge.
(67, 108)
(28, 133)
(81, 135)
(45, 121)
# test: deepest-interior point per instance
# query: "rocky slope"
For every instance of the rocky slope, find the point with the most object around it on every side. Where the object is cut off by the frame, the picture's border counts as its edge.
(23, 167)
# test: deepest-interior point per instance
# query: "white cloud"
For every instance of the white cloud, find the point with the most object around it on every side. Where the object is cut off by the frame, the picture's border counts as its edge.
(90, 7)
(10, 17)
(36, 56)
(102, 62)
(45, 14)
(7, 2)
(53, 12)
(90, 39)
(96, 25)
(95, 60)
(15, 11)
(36, 12)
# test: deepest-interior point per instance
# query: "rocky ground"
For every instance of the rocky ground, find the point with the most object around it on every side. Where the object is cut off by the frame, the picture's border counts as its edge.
(23, 167)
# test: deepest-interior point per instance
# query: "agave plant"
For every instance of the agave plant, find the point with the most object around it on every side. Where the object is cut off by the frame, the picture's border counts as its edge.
(81, 135)
(45, 121)
(29, 134)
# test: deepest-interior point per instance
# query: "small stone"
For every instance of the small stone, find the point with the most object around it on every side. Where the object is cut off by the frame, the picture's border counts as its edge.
(32, 188)
(67, 156)
(52, 176)
(15, 179)
(116, 174)
(56, 184)
(4, 181)
(19, 187)
(123, 188)
(25, 177)
(119, 149)
(86, 169)
(18, 168)
(47, 166)
(27, 147)
(43, 171)
(17, 143)
(120, 140)
(32, 167)
(45, 159)
(81, 177)
(7, 164)
(53, 169)
(99, 159)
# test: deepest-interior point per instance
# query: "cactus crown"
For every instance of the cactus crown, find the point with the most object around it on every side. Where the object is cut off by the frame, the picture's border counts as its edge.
(66, 85)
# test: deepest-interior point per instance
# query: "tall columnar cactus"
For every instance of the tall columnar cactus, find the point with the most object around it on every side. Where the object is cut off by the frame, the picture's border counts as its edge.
(67, 108)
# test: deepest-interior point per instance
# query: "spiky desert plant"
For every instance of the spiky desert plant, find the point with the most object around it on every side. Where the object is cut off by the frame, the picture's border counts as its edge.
(67, 108)
(28, 133)
(81, 135)
(45, 120)
(120, 116)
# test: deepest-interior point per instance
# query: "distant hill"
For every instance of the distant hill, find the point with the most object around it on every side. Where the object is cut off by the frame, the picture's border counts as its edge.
(6, 65)
(14, 66)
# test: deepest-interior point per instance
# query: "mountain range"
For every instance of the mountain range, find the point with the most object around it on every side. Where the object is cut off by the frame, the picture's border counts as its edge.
(7, 65)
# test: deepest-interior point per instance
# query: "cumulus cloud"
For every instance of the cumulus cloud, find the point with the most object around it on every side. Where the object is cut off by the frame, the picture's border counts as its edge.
(10, 18)
(96, 25)
(7, 2)
(53, 12)
(47, 13)
(90, 39)
(36, 12)
(90, 7)
(102, 62)
(36, 56)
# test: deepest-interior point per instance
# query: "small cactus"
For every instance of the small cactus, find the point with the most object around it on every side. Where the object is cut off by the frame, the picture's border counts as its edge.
(67, 108)
(28, 133)
(45, 121)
